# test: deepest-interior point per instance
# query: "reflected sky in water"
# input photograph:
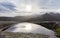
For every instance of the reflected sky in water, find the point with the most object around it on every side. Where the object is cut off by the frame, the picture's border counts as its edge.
(30, 28)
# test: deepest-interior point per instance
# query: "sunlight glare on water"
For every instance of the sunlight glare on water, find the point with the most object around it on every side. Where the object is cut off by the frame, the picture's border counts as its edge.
(30, 28)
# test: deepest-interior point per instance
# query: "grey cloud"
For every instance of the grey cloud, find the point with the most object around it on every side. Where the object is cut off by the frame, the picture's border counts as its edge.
(48, 3)
(6, 6)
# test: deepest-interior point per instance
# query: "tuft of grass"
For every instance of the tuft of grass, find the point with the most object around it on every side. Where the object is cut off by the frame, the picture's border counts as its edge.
(58, 31)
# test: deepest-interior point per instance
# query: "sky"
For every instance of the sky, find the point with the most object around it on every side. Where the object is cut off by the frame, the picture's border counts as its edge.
(25, 7)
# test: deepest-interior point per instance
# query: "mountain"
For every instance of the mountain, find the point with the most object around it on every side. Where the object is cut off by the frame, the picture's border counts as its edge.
(6, 19)
(17, 18)
(46, 17)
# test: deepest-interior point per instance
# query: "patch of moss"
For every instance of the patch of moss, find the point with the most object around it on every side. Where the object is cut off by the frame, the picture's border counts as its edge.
(58, 32)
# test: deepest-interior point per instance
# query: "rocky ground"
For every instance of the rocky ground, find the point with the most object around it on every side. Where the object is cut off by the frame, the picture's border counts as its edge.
(23, 35)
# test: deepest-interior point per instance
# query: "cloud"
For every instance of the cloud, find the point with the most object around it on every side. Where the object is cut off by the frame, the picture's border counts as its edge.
(55, 4)
(37, 6)
(6, 6)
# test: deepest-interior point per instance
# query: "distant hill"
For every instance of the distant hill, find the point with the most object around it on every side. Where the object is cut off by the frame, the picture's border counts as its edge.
(17, 18)
(6, 19)
(45, 17)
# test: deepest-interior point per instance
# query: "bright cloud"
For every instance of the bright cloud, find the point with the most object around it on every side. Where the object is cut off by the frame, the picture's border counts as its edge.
(33, 6)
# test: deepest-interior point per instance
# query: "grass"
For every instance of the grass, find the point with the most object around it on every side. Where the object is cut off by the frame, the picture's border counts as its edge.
(58, 32)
